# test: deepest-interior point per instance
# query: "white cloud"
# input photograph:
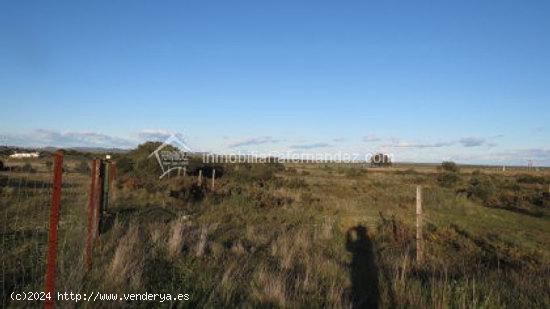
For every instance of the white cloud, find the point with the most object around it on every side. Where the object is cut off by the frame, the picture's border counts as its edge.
(419, 145)
(44, 138)
(310, 146)
(472, 141)
(253, 141)
(154, 134)
(158, 135)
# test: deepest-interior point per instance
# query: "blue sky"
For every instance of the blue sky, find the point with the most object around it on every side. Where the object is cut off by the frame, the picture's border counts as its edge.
(426, 80)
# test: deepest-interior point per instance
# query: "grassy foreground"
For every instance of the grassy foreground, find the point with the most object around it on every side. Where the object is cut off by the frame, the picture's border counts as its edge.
(295, 236)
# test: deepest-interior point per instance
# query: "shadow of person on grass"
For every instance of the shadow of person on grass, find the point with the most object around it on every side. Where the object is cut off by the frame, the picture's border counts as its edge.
(363, 269)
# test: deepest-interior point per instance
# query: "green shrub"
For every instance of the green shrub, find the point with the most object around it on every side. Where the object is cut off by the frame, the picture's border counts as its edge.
(191, 192)
(207, 169)
(449, 174)
(447, 179)
(125, 165)
(531, 179)
(450, 166)
(256, 172)
(481, 188)
(139, 163)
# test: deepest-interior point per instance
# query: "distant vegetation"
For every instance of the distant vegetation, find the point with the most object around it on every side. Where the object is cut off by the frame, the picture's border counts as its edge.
(509, 194)
(449, 175)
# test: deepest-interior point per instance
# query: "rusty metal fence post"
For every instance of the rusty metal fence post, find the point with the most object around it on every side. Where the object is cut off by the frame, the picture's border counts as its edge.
(102, 177)
(105, 179)
(112, 178)
(52, 236)
(91, 214)
(97, 200)
(112, 173)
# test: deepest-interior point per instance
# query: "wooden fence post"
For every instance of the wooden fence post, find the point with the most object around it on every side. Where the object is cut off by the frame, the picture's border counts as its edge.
(213, 178)
(52, 236)
(419, 239)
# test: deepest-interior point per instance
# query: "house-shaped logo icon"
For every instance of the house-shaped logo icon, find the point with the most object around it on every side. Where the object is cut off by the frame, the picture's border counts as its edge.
(170, 159)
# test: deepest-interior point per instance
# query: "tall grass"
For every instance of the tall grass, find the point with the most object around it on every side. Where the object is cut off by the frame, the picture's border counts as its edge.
(300, 236)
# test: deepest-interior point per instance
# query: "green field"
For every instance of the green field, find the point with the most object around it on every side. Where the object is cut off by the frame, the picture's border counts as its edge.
(309, 235)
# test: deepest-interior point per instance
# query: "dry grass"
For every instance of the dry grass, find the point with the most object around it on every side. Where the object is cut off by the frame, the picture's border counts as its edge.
(280, 238)
(128, 261)
(175, 241)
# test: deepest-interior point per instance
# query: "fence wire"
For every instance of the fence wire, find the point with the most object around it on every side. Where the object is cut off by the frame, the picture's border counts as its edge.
(25, 202)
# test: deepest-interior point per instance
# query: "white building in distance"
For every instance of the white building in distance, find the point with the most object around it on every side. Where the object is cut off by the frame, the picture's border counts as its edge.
(24, 155)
